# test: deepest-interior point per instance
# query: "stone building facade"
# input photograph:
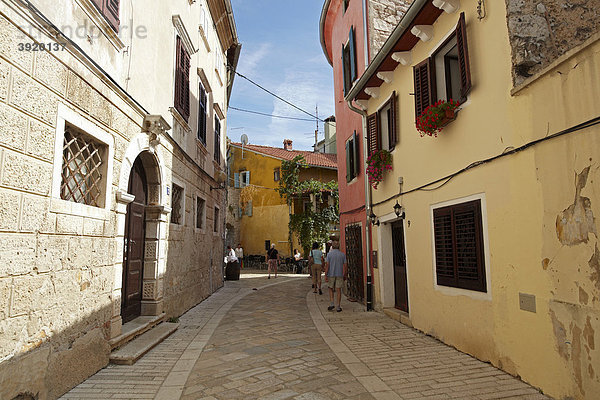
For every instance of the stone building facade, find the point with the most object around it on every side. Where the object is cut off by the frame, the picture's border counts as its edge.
(110, 182)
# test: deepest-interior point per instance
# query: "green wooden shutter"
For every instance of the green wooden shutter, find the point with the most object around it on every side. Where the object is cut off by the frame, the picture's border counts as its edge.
(236, 179)
(249, 208)
(348, 166)
(344, 72)
(356, 154)
(247, 178)
(352, 44)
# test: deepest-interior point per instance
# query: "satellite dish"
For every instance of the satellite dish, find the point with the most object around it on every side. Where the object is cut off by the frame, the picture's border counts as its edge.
(244, 139)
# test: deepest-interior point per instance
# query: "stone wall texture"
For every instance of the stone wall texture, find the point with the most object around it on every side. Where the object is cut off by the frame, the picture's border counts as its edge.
(542, 30)
(60, 263)
(384, 15)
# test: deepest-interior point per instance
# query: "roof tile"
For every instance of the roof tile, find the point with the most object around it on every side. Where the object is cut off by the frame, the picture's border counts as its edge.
(312, 158)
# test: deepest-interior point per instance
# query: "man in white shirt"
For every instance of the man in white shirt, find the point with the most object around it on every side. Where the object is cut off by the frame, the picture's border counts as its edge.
(239, 253)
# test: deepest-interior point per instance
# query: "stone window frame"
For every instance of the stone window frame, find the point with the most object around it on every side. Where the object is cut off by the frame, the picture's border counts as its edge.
(66, 115)
(182, 185)
(197, 196)
(453, 291)
(216, 226)
(92, 11)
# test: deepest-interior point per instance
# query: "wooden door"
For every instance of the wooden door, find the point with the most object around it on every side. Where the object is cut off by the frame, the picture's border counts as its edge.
(400, 281)
(133, 254)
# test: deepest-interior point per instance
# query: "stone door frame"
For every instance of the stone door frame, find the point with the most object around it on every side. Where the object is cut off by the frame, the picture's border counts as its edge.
(143, 145)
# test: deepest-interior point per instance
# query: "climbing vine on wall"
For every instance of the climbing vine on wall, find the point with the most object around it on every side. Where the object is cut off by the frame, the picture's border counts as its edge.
(311, 225)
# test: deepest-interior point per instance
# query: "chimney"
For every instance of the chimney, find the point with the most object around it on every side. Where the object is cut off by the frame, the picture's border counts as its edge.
(287, 144)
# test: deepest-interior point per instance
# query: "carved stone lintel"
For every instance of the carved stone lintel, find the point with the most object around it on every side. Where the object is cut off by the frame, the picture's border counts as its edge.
(155, 126)
(123, 197)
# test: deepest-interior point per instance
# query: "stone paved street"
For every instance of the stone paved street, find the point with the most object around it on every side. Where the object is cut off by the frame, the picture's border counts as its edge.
(280, 342)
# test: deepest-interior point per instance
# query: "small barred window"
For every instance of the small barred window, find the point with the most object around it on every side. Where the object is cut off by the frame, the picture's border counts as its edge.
(177, 205)
(83, 169)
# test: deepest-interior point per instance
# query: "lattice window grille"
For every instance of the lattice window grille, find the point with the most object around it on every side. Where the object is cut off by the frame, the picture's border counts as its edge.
(82, 169)
(176, 204)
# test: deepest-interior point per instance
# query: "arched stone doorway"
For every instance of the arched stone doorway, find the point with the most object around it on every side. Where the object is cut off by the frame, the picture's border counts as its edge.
(140, 292)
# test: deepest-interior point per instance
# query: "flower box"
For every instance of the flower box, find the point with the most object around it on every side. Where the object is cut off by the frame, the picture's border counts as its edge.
(435, 117)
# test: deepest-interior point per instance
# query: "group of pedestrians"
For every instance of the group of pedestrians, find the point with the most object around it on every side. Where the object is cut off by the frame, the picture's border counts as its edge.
(334, 266)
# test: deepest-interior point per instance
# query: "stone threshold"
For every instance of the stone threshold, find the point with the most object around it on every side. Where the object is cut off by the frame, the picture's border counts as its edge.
(134, 328)
(398, 315)
(134, 350)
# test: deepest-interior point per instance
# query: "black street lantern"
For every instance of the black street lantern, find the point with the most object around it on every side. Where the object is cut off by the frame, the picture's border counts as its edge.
(398, 210)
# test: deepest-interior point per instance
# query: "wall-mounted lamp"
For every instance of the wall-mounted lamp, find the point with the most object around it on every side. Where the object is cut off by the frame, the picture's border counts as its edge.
(398, 210)
(374, 219)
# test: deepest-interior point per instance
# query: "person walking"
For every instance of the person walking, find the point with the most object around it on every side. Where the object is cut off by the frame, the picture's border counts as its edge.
(336, 272)
(315, 260)
(297, 263)
(239, 253)
(273, 259)
(232, 271)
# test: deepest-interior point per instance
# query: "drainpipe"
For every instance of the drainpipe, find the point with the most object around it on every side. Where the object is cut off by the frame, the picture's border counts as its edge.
(369, 288)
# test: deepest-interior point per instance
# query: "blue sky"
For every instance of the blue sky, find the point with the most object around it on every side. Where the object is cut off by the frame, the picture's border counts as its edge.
(282, 52)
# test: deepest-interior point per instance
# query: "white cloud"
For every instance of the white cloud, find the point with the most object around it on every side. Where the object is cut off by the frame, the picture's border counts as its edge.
(251, 58)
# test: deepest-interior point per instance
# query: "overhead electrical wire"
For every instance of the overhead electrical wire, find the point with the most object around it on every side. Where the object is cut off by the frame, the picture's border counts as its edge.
(269, 115)
(444, 180)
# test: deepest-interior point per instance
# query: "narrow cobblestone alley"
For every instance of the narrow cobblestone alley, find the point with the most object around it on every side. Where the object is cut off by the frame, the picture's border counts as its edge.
(278, 342)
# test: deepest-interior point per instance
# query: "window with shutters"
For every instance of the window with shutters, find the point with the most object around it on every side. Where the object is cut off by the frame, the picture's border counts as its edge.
(110, 10)
(177, 208)
(83, 168)
(217, 139)
(352, 157)
(349, 61)
(276, 174)
(216, 220)
(200, 213)
(459, 254)
(244, 178)
(446, 74)
(202, 114)
(382, 127)
(182, 80)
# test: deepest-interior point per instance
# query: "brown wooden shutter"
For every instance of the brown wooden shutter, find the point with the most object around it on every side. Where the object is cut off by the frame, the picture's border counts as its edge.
(444, 246)
(424, 85)
(111, 12)
(463, 57)
(372, 134)
(182, 81)
(459, 256)
(392, 135)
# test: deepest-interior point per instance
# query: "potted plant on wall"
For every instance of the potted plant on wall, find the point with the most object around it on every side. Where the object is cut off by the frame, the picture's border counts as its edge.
(435, 117)
(378, 162)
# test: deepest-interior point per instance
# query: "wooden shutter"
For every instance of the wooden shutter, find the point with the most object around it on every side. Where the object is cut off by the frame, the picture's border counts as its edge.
(372, 134)
(459, 253)
(423, 81)
(202, 114)
(249, 208)
(444, 246)
(348, 164)
(111, 12)
(463, 57)
(247, 183)
(236, 180)
(345, 70)
(217, 143)
(392, 135)
(182, 80)
(352, 44)
(356, 155)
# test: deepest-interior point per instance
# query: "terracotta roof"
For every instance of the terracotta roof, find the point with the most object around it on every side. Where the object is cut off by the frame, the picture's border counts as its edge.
(312, 158)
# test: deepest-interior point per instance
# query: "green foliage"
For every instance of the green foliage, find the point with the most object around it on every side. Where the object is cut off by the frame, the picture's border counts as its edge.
(311, 225)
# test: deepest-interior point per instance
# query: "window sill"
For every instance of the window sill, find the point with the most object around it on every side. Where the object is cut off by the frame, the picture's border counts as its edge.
(179, 118)
(60, 206)
(98, 19)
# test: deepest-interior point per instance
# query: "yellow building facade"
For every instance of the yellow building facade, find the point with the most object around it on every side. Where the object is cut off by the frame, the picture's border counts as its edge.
(516, 174)
(255, 209)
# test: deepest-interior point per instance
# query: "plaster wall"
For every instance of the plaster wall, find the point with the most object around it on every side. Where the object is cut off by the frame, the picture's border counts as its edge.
(61, 262)
(538, 210)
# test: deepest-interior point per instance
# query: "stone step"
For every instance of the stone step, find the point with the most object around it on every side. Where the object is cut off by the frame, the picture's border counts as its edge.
(135, 328)
(134, 350)
(398, 315)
